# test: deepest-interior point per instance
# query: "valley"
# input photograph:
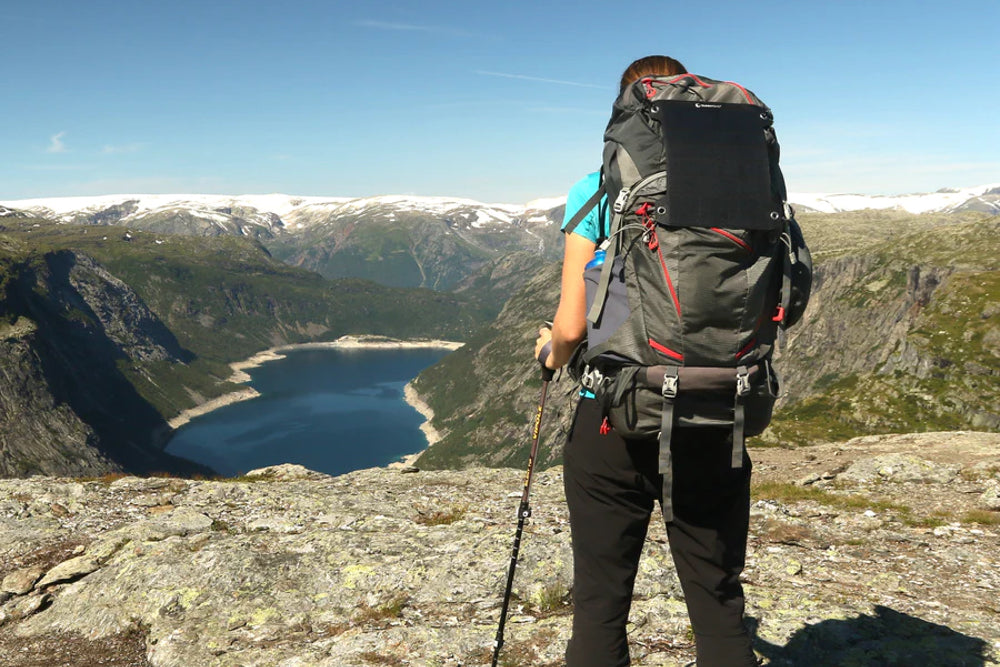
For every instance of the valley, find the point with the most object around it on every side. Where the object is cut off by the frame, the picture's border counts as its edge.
(167, 290)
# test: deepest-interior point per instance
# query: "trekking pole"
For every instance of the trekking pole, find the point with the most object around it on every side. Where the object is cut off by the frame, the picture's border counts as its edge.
(524, 510)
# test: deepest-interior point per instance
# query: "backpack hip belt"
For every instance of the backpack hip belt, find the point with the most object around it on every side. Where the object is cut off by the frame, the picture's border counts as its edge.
(615, 389)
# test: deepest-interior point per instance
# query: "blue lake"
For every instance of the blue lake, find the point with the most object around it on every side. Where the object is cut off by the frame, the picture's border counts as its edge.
(331, 410)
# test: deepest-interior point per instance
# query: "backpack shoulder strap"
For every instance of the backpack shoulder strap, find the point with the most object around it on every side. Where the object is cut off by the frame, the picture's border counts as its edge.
(587, 207)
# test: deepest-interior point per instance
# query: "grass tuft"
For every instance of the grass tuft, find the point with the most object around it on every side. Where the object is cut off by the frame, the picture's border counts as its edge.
(441, 517)
(552, 598)
(983, 517)
(389, 609)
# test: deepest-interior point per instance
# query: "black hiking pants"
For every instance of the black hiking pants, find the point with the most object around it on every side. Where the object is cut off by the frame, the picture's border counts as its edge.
(612, 485)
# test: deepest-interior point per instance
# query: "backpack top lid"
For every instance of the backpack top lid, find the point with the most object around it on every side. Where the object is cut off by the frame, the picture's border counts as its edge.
(686, 86)
(714, 141)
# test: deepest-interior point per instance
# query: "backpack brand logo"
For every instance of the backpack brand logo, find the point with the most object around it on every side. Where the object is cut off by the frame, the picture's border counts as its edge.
(699, 105)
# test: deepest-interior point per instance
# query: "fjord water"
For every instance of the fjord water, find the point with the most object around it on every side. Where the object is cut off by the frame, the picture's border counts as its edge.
(331, 410)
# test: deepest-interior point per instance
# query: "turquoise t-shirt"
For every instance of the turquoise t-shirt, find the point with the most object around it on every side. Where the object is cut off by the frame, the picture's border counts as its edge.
(588, 227)
(578, 195)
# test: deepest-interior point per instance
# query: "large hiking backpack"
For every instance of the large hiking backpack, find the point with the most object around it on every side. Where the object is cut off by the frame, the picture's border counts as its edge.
(704, 264)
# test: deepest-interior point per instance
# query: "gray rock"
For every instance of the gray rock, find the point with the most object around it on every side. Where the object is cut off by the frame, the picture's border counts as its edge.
(811, 478)
(899, 468)
(180, 521)
(22, 581)
(69, 570)
(27, 606)
(990, 499)
(375, 567)
(286, 472)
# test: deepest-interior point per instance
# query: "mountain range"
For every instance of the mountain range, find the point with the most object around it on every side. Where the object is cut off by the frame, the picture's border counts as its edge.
(399, 241)
(443, 243)
(267, 215)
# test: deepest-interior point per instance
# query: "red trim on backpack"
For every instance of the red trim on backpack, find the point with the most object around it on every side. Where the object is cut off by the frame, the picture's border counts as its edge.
(670, 283)
(731, 237)
(779, 315)
(746, 93)
(605, 427)
(650, 91)
(663, 349)
(746, 348)
(696, 79)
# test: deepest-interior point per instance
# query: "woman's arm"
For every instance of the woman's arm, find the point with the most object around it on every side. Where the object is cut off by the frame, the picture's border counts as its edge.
(570, 324)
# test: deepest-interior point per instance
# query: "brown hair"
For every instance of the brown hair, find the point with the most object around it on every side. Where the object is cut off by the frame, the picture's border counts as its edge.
(650, 66)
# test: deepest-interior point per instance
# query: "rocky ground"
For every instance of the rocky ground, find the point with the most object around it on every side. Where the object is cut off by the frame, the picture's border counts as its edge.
(878, 551)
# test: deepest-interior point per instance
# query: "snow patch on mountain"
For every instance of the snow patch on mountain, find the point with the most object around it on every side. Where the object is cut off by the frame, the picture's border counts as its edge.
(299, 212)
(942, 201)
(67, 206)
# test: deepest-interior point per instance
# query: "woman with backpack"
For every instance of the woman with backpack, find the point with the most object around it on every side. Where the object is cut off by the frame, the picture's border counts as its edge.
(612, 484)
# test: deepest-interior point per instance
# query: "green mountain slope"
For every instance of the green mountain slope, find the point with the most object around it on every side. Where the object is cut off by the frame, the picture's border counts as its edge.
(226, 297)
(902, 334)
(114, 333)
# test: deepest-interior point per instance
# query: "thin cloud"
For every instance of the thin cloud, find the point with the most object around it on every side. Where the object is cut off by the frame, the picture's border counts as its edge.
(412, 27)
(124, 148)
(56, 144)
(524, 77)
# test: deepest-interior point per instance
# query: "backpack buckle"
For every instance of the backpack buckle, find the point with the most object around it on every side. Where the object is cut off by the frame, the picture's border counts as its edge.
(591, 379)
(742, 381)
(670, 383)
(620, 200)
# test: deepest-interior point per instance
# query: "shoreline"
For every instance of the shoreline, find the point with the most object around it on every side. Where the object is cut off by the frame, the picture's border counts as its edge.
(214, 404)
(413, 399)
(348, 342)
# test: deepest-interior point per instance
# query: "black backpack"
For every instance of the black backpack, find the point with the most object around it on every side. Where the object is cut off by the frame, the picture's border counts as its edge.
(704, 264)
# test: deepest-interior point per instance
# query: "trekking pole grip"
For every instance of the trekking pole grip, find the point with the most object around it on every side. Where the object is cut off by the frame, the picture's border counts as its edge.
(543, 356)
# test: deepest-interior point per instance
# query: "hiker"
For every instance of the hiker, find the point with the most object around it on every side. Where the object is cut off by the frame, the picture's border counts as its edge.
(612, 481)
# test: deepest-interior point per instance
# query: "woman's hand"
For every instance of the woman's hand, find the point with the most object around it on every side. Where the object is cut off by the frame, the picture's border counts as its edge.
(544, 337)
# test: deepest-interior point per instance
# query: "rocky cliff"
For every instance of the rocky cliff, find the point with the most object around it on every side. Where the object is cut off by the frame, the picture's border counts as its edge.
(877, 551)
(901, 335)
(70, 327)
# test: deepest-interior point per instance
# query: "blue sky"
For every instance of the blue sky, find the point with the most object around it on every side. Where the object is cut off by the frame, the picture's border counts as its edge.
(501, 101)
